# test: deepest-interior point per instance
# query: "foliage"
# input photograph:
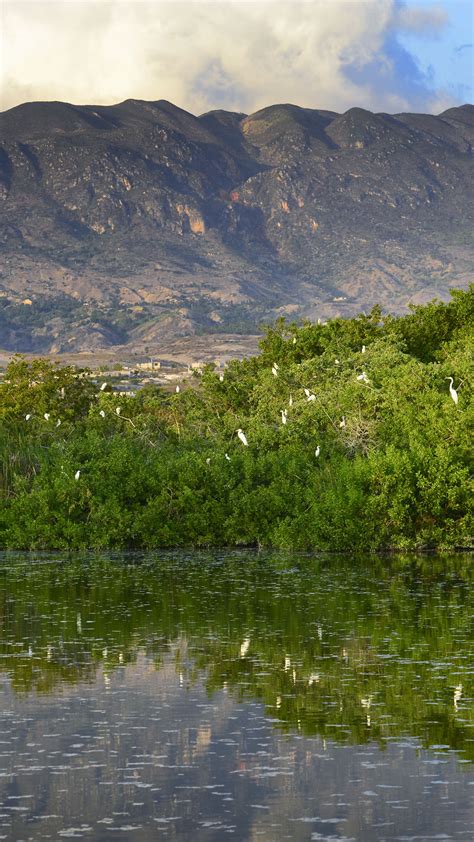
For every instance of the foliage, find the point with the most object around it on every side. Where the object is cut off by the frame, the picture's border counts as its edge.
(392, 470)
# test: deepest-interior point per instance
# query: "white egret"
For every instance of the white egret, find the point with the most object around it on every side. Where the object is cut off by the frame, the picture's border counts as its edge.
(284, 417)
(311, 397)
(102, 413)
(208, 460)
(362, 350)
(104, 386)
(77, 475)
(46, 416)
(242, 437)
(317, 451)
(58, 422)
(221, 378)
(274, 371)
(294, 340)
(118, 410)
(27, 417)
(290, 402)
(275, 365)
(227, 457)
(342, 422)
(363, 377)
(336, 362)
(452, 390)
(177, 390)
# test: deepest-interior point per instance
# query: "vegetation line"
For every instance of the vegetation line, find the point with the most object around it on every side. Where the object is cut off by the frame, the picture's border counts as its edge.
(348, 435)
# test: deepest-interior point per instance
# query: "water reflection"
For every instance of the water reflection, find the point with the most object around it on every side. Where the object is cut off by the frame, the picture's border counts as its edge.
(259, 696)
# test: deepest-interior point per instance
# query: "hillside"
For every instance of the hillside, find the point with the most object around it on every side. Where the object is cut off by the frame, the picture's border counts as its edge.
(138, 223)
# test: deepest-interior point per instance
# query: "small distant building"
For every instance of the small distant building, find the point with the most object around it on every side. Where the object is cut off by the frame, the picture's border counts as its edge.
(152, 365)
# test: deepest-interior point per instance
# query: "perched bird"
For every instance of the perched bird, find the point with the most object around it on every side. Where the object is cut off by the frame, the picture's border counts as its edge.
(342, 422)
(284, 416)
(317, 451)
(221, 378)
(102, 413)
(27, 417)
(104, 386)
(242, 437)
(208, 460)
(294, 340)
(363, 377)
(58, 422)
(290, 402)
(118, 410)
(309, 395)
(77, 475)
(362, 349)
(46, 416)
(452, 390)
(274, 371)
(337, 362)
(275, 365)
(177, 390)
(227, 457)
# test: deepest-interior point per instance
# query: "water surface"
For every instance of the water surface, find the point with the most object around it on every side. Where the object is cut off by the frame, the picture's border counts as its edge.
(252, 696)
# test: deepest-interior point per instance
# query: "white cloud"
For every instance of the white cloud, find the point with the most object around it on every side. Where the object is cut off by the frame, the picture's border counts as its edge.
(200, 55)
(421, 20)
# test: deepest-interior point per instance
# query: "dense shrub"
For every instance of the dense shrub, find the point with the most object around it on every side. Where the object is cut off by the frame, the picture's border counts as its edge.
(394, 448)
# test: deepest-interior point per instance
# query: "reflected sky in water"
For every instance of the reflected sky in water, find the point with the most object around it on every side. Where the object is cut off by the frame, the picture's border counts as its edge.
(207, 696)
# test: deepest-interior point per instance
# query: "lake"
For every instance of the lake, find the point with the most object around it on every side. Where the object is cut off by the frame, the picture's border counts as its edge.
(253, 696)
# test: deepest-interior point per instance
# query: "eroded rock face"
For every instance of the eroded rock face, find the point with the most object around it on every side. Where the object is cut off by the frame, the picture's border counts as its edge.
(286, 210)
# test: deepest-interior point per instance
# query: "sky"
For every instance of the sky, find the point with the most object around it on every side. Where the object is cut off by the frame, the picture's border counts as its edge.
(241, 55)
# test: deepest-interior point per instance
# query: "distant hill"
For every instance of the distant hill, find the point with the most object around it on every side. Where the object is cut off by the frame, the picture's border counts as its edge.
(137, 223)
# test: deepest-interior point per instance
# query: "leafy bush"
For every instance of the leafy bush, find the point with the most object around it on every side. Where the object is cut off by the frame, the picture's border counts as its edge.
(392, 469)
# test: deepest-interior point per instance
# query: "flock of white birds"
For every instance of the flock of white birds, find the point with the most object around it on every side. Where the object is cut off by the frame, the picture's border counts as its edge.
(310, 397)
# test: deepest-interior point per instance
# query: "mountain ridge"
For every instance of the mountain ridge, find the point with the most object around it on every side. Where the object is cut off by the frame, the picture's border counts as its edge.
(138, 222)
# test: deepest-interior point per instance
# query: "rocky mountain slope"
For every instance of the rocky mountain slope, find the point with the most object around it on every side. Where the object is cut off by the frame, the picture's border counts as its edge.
(136, 223)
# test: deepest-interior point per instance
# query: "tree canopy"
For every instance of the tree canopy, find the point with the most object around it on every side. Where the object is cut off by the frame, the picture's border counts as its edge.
(355, 442)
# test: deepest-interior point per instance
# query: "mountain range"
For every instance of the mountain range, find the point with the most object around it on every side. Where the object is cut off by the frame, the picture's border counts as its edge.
(139, 223)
